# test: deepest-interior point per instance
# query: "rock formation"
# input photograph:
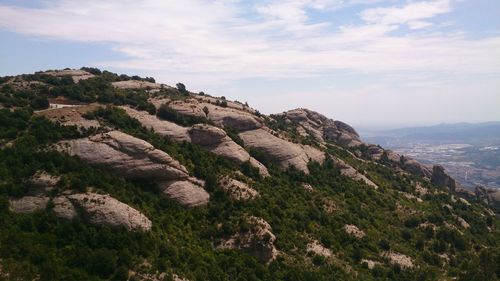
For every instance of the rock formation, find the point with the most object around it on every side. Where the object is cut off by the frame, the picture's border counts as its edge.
(489, 196)
(354, 231)
(318, 249)
(134, 158)
(209, 137)
(136, 85)
(100, 209)
(258, 241)
(75, 74)
(394, 258)
(285, 153)
(441, 178)
(237, 190)
(322, 128)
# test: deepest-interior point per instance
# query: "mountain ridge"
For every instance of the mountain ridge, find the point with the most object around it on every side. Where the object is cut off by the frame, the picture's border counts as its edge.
(208, 184)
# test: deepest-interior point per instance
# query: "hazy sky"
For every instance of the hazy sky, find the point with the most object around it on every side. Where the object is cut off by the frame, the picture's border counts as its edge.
(366, 62)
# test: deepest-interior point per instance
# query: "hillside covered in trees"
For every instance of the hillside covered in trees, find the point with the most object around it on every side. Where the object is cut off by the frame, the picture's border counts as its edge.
(116, 177)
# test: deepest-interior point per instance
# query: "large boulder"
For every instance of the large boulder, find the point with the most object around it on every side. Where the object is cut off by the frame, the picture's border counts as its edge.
(414, 167)
(126, 156)
(322, 128)
(285, 153)
(161, 127)
(237, 190)
(100, 209)
(134, 158)
(258, 240)
(188, 193)
(28, 204)
(441, 178)
(490, 196)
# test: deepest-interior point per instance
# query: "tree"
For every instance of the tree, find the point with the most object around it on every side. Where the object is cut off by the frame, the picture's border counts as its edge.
(39, 103)
(181, 87)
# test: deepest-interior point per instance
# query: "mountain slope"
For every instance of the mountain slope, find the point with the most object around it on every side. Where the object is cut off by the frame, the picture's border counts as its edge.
(210, 189)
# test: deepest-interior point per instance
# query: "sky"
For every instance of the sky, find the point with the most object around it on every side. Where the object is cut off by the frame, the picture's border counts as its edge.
(369, 63)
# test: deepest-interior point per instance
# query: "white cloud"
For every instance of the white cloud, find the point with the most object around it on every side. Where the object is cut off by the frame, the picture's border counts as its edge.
(209, 42)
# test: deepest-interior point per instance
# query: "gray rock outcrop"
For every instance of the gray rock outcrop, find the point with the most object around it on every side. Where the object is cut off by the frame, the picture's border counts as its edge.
(105, 210)
(134, 158)
(125, 155)
(441, 178)
(237, 190)
(285, 153)
(209, 137)
(258, 241)
(188, 193)
(322, 128)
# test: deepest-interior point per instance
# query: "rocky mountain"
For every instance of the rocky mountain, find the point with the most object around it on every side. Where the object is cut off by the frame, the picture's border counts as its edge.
(106, 176)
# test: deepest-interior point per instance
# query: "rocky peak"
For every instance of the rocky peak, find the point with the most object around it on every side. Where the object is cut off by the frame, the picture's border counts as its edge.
(322, 128)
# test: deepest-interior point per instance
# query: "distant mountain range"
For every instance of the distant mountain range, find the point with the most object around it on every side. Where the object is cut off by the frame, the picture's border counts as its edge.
(457, 132)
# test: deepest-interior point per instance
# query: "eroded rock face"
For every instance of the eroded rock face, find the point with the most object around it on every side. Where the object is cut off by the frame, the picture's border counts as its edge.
(489, 196)
(76, 74)
(416, 168)
(285, 153)
(134, 158)
(348, 171)
(209, 137)
(28, 204)
(188, 193)
(354, 231)
(125, 155)
(72, 116)
(161, 127)
(216, 140)
(105, 210)
(441, 178)
(318, 249)
(405, 262)
(258, 241)
(136, 85)
(322, 128)
(230, 117)
(237, 190)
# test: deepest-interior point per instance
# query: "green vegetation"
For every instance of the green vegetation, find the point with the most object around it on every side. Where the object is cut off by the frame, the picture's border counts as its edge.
(183, 241)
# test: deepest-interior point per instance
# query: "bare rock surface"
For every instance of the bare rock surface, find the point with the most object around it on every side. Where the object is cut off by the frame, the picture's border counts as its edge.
(76, 74)
(369, 263)
(318, 249)
(230, 117)
(322, 128)
(28, 204)
(72, 116)
(63, 208)
(237, 190)
(136, 85)
(188, 193)
(348, 171)
(489, 196)
(258, 241)
(405, 262)
(105, 210)
(209, 137)
(441, 178)
(125, 155)
(285, 153)
(162, 127)
(354, 231)
(188, 107)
